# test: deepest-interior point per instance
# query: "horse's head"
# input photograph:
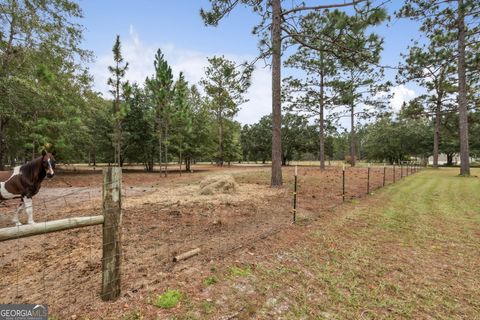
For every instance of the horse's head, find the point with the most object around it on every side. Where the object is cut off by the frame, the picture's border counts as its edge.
(48, 163)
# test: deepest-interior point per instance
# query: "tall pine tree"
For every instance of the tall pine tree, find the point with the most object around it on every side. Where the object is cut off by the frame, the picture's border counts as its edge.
(118, 71)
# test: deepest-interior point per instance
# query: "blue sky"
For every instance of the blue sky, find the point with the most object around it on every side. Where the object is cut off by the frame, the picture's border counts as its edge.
(176, 28)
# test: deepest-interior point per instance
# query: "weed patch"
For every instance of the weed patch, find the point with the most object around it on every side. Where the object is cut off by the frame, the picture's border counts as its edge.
(168, 299)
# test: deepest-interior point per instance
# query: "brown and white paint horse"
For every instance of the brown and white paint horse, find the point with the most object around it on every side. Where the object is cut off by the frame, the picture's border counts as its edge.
(25, 182)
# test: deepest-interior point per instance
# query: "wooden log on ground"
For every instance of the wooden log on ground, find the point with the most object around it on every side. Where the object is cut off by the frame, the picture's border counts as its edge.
(48, 226)
(186, 255)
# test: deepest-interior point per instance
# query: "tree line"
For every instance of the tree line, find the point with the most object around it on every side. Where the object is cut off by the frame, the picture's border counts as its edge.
(47, 100)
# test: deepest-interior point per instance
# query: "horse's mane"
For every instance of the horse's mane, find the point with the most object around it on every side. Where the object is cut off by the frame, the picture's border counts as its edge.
(29, 168)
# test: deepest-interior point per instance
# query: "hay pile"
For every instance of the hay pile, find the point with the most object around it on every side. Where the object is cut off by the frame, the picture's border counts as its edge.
(218, 184)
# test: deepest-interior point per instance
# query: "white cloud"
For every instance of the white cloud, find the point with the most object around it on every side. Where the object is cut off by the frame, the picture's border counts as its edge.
(260, 97)
(401, 94)
(140, 57)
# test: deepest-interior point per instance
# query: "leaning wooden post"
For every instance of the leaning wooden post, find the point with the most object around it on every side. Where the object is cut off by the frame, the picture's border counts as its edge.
(343, 183)
(112, 232)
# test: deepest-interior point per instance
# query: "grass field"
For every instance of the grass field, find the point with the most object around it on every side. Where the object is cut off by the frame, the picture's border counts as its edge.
(411, 251)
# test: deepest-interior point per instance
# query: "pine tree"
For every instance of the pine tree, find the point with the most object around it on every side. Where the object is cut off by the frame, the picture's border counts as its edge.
(116, 82)
(160, 87)
(225, 84)
(181, 118)
(318, 56)
(139, 127)
(433, 68)
(456, 22)
(277, 23)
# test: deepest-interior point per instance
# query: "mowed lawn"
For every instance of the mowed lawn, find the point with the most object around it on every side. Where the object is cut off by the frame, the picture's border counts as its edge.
(410, 251)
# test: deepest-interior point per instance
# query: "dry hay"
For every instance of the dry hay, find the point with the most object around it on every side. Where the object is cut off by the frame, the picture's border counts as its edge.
(168, 195)
(218, 184)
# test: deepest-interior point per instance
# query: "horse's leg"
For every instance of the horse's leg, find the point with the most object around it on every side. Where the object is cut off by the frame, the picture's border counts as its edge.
(17, 211)
(29, 208)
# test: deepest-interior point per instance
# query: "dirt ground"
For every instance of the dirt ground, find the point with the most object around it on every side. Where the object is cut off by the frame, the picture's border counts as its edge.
(162, 217)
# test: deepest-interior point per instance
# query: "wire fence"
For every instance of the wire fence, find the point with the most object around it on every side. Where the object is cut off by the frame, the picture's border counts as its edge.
(64, 269)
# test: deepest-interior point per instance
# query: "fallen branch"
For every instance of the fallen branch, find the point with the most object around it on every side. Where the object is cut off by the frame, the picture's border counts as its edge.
(186, 255)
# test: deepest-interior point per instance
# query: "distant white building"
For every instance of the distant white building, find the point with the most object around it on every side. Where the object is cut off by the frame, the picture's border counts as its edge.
(442, 159)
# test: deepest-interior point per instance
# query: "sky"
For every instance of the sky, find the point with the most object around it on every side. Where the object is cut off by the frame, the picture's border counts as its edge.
(177, 29)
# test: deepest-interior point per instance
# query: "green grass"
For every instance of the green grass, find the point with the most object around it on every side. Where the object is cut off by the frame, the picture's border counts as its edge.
(168, 299)
(239, 272)
(210, 281)
(408, 252)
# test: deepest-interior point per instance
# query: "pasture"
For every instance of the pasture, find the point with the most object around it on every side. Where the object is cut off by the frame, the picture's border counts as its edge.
(408, 252)
(162, 217)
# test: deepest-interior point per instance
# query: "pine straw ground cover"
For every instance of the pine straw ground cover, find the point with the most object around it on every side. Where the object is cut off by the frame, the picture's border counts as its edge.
(411, 251)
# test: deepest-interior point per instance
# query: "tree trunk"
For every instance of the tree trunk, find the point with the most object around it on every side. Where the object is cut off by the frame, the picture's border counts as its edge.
(436, 135)
(166, 150)
(6, 57)
(92, 157)
(187, 164)
(462, 94)
(276, 95)
(449, 159)
(352, 136)
(117, 125)
(159, 145)
(322, 124)
(180, 161)
(220, 139)
(2, 143)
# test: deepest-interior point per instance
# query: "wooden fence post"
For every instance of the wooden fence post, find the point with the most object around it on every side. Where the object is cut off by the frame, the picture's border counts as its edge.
(384, 173)
(295, 197)
(394, 172)
(368, 179)
(112, 232)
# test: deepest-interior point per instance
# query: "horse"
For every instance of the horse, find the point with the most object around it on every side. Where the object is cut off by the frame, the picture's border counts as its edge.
(25, 182)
